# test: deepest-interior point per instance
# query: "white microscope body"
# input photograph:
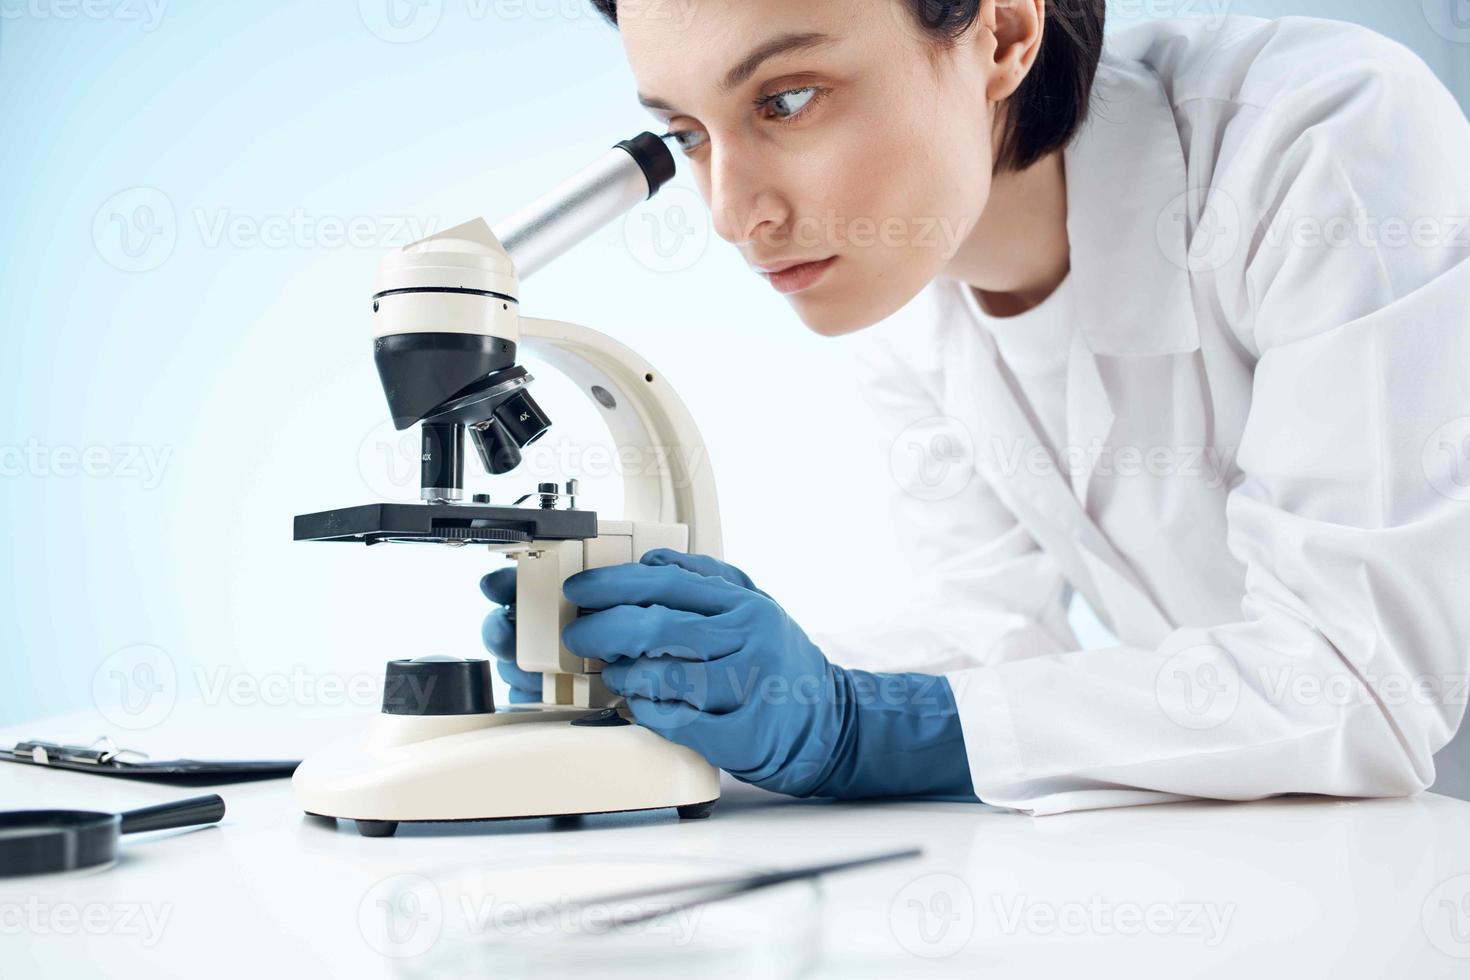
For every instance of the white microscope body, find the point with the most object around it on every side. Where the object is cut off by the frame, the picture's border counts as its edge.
(446, 330)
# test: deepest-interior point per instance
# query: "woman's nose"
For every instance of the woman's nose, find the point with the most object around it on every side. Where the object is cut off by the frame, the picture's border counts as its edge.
(742, 203)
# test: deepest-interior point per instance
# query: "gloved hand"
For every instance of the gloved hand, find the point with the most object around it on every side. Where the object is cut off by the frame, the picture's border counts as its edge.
(707, 660)
(499, 634)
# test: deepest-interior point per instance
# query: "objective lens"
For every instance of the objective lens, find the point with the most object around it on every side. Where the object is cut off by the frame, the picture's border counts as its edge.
(442, 460)
(523, 418)
(498, 451)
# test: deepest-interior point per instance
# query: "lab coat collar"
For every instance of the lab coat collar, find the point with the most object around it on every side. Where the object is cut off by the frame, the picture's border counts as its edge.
(1126, 214)
(1126, 198)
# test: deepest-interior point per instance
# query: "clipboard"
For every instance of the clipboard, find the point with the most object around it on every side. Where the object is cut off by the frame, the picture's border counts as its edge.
(104, 758)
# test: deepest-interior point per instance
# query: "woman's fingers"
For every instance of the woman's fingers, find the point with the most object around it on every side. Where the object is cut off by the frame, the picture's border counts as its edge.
(625, 632)
(701, 565)
(652, 585)
(525, 687)
(676, 721)
(727, 741)
(499, 634)
(660, 678)
(500, 586)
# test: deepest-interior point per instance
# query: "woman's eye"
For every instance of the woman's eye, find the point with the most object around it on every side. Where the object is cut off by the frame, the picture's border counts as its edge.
(789, 103)
(784, 106)
(689, 139)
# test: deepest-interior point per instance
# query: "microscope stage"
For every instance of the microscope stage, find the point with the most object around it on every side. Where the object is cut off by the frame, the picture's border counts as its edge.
(445, 524)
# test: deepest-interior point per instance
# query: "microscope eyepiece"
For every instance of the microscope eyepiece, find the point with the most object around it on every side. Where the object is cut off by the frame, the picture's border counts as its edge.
(653, 157)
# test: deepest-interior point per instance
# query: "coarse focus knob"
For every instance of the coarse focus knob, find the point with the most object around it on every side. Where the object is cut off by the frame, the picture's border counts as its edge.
(438, 686)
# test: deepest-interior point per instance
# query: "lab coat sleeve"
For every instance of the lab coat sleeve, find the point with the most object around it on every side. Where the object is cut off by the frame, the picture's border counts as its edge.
(976, 589)
(1347, 667)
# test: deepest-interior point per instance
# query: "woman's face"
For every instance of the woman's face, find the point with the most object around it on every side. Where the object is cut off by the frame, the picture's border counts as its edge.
(853, 147)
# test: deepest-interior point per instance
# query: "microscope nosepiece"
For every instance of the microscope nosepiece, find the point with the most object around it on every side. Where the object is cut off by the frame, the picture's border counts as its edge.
(422, 371)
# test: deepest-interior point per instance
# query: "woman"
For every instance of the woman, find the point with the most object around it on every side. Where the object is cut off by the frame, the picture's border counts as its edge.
(1180, 325)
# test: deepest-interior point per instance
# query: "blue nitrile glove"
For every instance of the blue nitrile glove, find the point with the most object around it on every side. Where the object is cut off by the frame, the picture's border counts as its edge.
(499, 634)
(707, 660)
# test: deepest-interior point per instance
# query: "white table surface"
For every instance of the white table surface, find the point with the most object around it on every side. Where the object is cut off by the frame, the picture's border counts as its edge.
(1289, 887)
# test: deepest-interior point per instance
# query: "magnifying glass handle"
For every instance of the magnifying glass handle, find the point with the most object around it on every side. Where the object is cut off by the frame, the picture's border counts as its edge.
(182, 813)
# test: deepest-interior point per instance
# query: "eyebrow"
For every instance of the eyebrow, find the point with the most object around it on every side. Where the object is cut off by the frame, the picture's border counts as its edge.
(747, 66)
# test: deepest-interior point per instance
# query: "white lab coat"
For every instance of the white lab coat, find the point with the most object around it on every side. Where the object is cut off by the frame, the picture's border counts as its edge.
(1272, 505)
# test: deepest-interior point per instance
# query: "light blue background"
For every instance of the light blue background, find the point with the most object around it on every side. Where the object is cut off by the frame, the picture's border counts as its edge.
(178, 312)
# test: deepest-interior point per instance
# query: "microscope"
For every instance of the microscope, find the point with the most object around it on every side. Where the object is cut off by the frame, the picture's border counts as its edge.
(447, 332)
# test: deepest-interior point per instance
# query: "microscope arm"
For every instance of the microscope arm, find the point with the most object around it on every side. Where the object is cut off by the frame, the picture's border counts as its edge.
(673, 482)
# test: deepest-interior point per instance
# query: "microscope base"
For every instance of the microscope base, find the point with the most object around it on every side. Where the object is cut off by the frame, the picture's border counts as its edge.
(511, 764)
(387, 828)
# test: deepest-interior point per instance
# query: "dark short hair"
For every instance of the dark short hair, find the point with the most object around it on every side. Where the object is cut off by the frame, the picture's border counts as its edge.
(1051, 104)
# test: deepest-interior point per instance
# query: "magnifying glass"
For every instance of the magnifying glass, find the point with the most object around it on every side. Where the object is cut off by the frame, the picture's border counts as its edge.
(44, 841)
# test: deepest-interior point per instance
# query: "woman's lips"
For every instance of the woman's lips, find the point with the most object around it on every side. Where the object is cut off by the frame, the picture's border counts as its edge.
(799, 277)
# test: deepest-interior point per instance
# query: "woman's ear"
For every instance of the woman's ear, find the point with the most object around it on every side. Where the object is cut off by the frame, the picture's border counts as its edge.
(1017, 26)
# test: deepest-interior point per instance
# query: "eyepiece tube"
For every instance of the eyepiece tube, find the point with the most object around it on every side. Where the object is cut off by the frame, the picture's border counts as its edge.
(632, 171)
